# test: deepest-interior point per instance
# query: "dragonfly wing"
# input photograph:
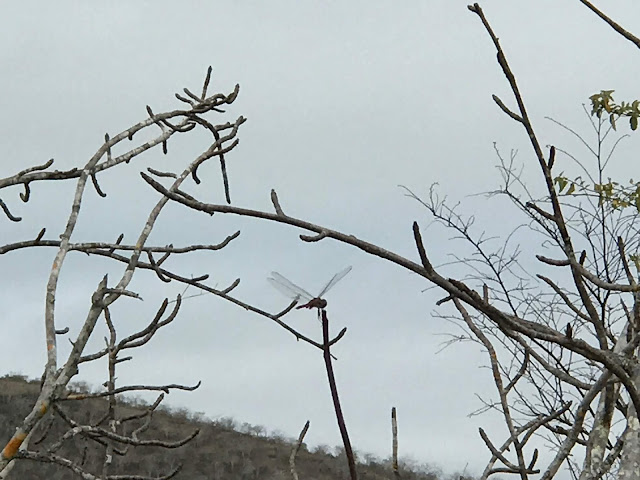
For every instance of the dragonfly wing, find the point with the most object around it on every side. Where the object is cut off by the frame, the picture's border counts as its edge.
(336, 278)
(290, 289)
(287, 292)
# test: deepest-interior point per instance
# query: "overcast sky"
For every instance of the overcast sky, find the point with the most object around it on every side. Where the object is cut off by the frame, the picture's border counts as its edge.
(345, 101)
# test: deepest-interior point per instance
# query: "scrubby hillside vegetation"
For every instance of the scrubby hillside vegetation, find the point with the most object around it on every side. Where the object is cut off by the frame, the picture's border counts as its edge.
(223, 449)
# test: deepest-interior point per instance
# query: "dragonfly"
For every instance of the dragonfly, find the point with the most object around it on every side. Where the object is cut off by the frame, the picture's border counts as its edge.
(297, 293)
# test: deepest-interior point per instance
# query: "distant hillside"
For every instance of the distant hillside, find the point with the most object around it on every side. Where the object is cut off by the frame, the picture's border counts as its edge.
(219, 451)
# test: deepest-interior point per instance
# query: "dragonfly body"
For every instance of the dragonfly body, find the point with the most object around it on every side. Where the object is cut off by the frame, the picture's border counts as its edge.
(314, 303)
(297, 293)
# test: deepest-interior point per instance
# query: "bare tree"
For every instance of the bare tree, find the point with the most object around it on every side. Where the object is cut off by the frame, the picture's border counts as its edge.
(562, 350)
(114, 432)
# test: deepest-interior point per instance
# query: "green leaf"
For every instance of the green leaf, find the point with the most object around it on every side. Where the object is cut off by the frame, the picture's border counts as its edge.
(572, 188)
(634, 122)
(562, 182)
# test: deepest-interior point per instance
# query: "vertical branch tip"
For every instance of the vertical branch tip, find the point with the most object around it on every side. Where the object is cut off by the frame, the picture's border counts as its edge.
(552, 157)
(276, 203)
(205, 86)
(394, 433)
(421, 250)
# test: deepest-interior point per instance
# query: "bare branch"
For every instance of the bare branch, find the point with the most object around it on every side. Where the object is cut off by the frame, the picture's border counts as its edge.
(7, 212)
(295, 450)
(506, 110)
(336, 399)
(626, 34)
(394, 447)
(276, 203)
